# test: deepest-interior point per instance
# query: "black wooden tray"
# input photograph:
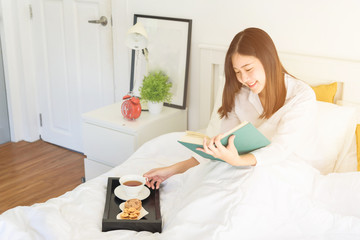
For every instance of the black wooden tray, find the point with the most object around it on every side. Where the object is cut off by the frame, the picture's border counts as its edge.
(151, 222)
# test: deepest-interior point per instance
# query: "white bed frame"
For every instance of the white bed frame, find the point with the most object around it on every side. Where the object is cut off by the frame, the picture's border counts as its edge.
(314, 70)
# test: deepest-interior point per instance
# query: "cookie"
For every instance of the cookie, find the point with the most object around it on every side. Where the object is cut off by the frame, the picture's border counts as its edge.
(124, 215)
(133, 203)
(131, 209)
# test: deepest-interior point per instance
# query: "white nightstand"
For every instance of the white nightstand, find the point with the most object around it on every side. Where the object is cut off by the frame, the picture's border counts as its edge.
(109, 139)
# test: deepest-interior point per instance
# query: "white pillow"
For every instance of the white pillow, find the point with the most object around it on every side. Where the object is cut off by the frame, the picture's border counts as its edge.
(335, 131)
(348, 163)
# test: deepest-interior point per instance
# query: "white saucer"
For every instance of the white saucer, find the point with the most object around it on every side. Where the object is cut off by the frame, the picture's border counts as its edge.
(120, 193)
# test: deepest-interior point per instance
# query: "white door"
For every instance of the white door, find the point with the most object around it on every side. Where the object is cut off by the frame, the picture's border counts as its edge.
(74, 65)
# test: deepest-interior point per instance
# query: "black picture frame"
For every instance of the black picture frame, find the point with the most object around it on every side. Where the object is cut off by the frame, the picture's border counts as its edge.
(168, 50)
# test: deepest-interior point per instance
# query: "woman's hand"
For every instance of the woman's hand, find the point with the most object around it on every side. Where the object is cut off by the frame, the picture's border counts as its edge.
(157, 175)
(229, 153)
(215, 148)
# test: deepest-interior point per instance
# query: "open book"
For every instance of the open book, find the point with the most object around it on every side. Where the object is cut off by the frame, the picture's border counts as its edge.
(247, 139)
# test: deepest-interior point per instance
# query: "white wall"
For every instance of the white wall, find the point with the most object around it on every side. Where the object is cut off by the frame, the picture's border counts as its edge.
(316, 27)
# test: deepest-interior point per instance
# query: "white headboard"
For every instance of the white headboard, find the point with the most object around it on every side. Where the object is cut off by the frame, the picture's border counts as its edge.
(314, 70)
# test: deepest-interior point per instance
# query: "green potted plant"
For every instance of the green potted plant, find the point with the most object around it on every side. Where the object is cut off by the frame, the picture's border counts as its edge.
(155, 90)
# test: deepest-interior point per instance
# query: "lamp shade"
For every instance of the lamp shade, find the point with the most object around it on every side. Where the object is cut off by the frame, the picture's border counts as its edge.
(137, 37)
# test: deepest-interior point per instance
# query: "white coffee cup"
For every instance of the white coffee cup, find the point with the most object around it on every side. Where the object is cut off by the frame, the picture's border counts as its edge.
(132, 184)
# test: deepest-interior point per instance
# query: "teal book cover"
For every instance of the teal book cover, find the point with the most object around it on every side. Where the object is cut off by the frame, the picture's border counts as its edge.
(247, 138)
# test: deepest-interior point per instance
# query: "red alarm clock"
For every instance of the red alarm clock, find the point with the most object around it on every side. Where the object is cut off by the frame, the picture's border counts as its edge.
(131, 108)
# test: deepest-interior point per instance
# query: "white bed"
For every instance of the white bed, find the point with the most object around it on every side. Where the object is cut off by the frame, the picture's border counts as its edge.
(216, 200)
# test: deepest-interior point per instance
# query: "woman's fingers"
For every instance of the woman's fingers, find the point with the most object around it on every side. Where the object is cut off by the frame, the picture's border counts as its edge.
(211, 144)
(218, 138)
(205, 146)
(218, 143)
(154, 182)
(158, 184)
(148, 179)
(150, 183)
(231, 145)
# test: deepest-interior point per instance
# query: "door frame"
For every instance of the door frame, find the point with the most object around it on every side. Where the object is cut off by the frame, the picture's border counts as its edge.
(4, 113)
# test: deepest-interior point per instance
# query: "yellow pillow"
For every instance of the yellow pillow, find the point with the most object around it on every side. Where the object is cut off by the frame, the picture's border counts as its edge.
(325, 92)
(358, 145)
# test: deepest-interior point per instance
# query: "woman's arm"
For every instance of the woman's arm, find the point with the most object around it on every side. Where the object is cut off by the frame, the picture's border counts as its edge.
(186, 165)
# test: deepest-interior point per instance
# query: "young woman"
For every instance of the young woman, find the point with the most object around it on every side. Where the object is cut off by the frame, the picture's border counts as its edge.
(257, 89)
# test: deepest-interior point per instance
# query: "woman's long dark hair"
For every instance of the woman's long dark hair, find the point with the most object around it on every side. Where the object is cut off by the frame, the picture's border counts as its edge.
(257, 43)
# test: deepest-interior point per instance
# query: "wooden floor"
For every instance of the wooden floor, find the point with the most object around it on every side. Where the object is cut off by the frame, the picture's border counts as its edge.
(35, 172)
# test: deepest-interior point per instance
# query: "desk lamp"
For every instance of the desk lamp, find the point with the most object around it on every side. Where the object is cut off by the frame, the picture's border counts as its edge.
(136, 39)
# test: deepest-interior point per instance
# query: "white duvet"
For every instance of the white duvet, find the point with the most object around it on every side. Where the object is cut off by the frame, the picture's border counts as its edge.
(210, 201)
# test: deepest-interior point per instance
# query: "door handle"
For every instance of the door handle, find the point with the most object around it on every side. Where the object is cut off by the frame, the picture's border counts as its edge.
(103, 21)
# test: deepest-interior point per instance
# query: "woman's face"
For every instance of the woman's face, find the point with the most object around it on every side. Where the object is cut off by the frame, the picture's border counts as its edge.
(249, 71)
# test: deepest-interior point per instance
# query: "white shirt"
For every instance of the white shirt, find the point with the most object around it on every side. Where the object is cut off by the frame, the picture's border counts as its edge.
(290, 129)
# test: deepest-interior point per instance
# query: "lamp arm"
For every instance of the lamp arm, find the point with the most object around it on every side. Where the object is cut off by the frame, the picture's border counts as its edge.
(145, 52)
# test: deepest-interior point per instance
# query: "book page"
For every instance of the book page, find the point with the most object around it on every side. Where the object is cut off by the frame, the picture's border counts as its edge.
(196, 134)
(194, 137)
(198, 138)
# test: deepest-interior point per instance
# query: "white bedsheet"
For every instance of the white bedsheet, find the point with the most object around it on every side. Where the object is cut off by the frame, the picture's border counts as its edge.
(210, 201)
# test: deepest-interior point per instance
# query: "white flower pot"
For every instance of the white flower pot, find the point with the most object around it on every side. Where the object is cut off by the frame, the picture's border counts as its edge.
(155, 107)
